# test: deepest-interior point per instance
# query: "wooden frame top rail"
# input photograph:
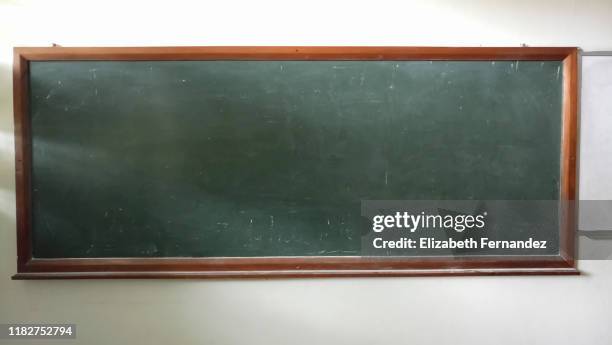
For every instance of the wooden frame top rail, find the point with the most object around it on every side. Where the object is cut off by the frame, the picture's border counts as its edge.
(294, 53)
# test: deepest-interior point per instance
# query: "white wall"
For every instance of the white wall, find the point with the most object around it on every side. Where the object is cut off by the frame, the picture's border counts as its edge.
(474, 310)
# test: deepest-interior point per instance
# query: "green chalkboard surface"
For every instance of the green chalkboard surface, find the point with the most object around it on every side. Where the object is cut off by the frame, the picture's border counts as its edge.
(273, 158)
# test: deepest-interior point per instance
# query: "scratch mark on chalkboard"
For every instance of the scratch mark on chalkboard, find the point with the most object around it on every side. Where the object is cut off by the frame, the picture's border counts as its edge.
(492, 63)
(281, 67)
(558, 71)
(386, 177)
(93, 73)
(361, 79)
(47, 225)
(517, 65)
(392, 84)
(271, 222)
(48, 95)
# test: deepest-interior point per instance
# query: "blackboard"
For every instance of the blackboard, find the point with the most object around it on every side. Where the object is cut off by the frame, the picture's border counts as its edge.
(252, 156)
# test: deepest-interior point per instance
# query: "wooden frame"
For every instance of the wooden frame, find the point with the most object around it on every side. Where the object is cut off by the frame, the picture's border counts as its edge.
(32, 268)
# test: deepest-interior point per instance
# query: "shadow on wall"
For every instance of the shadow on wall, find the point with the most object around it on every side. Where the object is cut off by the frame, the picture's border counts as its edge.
(7, 149)
(7, 164)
